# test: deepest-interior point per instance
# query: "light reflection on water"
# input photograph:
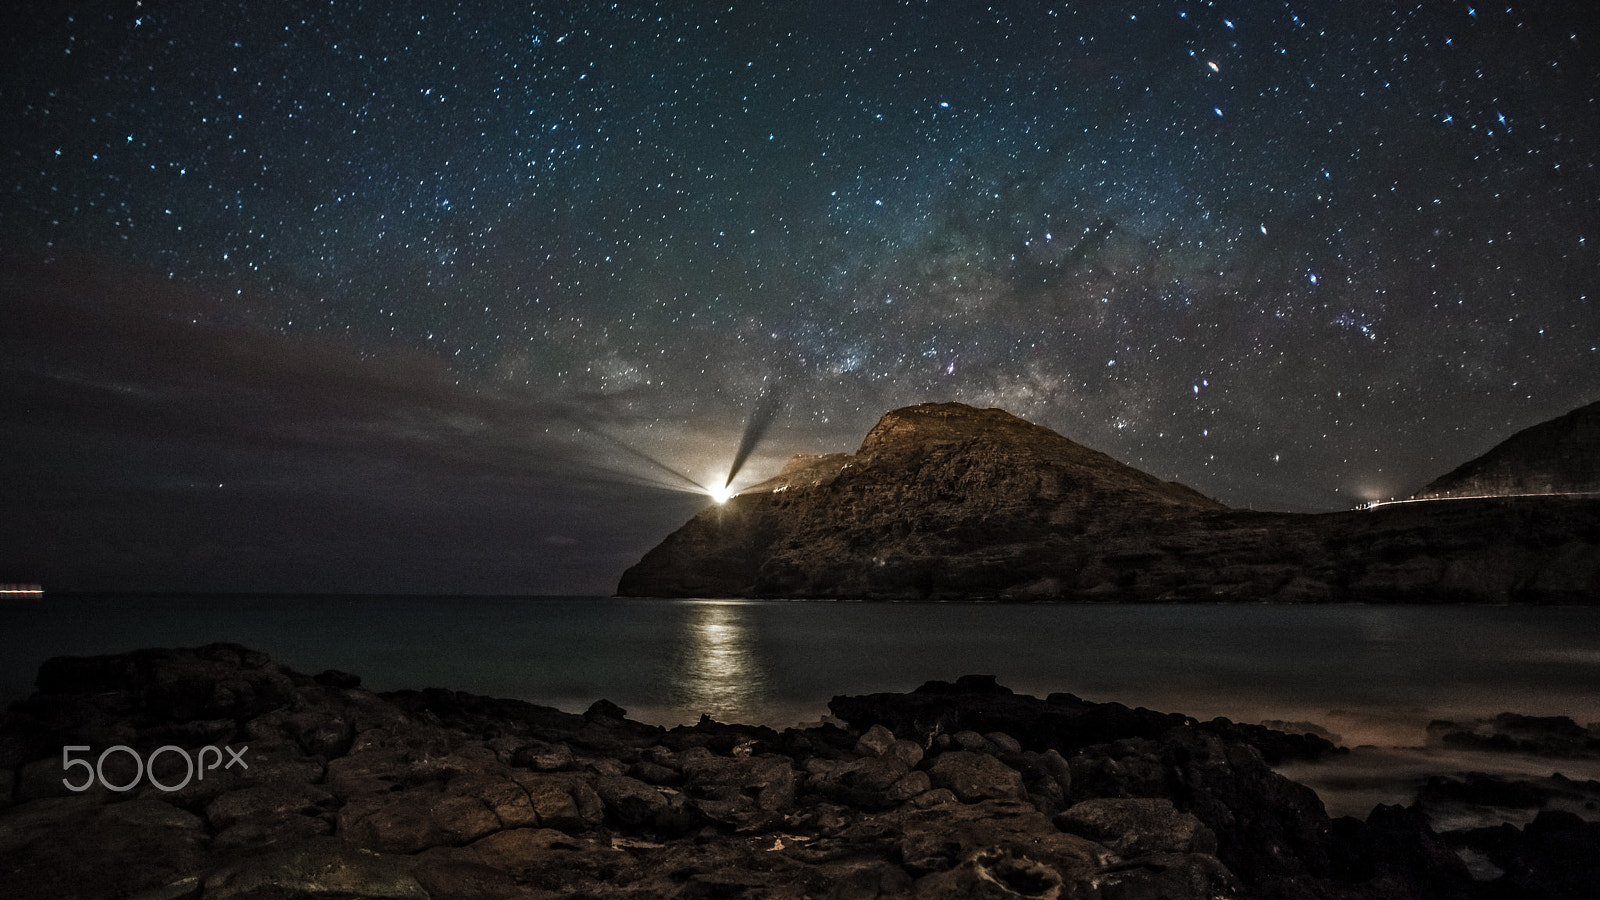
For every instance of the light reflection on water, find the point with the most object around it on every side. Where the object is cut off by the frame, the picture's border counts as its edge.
(717, 667)
(1373, 675)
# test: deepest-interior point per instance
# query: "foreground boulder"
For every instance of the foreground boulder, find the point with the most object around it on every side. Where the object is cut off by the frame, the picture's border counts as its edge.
(954, 790)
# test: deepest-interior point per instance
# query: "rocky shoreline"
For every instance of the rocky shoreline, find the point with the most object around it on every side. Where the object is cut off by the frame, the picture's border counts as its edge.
(961, 789)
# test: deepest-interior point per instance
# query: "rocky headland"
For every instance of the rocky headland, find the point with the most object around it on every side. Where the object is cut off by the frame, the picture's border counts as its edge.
(961, 789)
(947, 502)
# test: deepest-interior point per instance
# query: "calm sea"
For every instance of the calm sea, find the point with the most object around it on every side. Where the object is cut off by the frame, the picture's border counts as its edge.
(1370, 674)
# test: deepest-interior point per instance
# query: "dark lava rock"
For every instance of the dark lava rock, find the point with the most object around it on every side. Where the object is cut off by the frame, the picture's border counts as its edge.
(944, 501)
(1062, 722)
(1137, 826)
(605, 711)
(1270, 831)
(1277, 746)
(1554, 736)
(974, 704)
(1478, 789)
(1556, 857)
(945, 792)
(545, 757)
(1397, 848)
(338, 679)
(974, 776)
(217, 681)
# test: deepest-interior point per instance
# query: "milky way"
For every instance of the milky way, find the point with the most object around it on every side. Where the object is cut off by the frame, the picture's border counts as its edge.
(357, 296)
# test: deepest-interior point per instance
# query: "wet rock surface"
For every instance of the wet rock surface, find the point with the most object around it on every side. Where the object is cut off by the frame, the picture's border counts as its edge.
(961, 789)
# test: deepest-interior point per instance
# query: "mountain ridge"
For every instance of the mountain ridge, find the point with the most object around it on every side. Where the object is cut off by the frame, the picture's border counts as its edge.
(946, 501)
(906, 436)
(1557, 456)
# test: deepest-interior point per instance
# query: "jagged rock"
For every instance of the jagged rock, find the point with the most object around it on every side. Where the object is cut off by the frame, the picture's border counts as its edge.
(768, 779)
(71, 848)
(605, 711)
(970, 740)
(944, 501)
(955, 712)
(1553, 856)
(480, 715)
(462, 879)
(870, 783)
(1168, 876)
(543, 757)
(1555, 736)
(1002, 742)
(630, 803)
(994, 874)
(1478, 789)
(942, 837)
(1398, 849)
(269, 813)
(217, 681)
(975, 776)
(337, 679)
(413, 820)
(911, 787)
(321, 868)
(653, 773)
(1133, 827)
(1277, 745)
(425, 800)
(870, 775)
(1058, 769)
(1117, 751)
(934, 797)
(869, 882)
(875, 742)
(544, 859)
(566, 804)
(905, 752)
(518, 848)
(1216, 780)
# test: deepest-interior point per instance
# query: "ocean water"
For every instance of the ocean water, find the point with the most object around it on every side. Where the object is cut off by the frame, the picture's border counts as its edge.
(1373, 675)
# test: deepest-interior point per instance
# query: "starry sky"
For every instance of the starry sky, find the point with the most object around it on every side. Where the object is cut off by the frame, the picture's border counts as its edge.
(412, 297)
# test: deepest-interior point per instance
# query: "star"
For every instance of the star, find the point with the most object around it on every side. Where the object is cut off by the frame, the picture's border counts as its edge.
(344, 255)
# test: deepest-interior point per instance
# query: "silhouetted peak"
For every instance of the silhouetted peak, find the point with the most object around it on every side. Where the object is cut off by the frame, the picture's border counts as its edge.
(1560, 456)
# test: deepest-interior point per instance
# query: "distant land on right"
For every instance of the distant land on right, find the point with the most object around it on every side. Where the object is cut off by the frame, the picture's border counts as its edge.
(1561, 456)
(943, 501)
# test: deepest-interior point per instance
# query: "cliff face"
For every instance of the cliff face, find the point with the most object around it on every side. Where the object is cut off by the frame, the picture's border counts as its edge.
(1561, 456)
(943, 501)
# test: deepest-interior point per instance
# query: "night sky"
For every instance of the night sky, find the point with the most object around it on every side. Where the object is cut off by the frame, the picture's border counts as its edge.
(416, 297)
